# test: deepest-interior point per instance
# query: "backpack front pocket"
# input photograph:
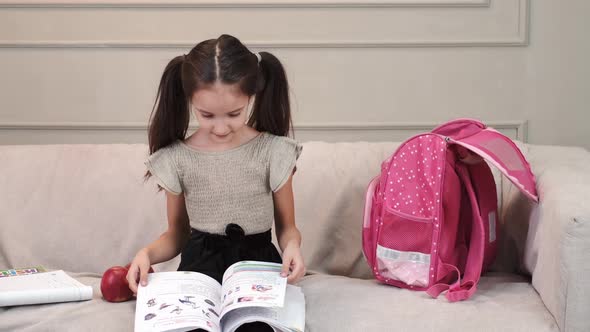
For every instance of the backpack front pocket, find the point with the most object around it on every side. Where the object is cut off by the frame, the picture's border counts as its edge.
(403, 248)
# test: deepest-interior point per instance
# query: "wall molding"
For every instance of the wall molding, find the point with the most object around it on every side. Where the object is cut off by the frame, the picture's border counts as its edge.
(519, 126)
(516, 42)
(242, 4)
(521, 38)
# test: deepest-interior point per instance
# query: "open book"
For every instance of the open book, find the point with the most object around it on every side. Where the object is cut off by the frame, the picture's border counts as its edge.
(251, 291)
(46, 287)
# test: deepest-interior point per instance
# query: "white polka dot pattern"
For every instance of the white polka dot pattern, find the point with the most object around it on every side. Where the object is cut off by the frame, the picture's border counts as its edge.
(415, 175)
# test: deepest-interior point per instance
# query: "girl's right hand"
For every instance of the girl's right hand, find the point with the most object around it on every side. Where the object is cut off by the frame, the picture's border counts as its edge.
(138, 270)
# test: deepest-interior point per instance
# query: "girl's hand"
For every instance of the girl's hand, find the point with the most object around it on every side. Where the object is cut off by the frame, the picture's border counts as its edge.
(293, 263)
(138, 270)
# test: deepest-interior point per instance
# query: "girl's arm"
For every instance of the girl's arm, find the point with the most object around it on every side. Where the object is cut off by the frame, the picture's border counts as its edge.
(174, 239)
(287, 233)
(167, 246)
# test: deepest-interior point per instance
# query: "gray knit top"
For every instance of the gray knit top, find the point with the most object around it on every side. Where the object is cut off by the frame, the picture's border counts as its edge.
(231, 186)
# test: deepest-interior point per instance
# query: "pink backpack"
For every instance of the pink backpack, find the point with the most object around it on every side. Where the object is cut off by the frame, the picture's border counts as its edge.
(431, 218)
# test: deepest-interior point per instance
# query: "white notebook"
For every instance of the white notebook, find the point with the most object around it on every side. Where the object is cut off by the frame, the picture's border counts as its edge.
(47, 287)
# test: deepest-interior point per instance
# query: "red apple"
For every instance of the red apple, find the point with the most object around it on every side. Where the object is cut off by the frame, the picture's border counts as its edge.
(114, 285)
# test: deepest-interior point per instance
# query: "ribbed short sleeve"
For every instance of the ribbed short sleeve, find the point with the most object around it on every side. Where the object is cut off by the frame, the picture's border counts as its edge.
(284, 153)
(162, 166)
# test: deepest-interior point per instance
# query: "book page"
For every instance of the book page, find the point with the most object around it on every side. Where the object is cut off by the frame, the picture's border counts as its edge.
(178, 301)
(252, 284)
(290, 317)
(46, 287)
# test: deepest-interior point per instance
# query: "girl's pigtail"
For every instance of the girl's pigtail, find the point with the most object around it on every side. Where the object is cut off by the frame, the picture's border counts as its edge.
(170, 115)
(271, 111)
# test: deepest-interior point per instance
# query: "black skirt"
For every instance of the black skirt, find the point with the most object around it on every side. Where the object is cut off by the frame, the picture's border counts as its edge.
(212, 254)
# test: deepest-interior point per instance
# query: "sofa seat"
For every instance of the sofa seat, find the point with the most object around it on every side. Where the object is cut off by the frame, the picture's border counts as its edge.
(504, 302)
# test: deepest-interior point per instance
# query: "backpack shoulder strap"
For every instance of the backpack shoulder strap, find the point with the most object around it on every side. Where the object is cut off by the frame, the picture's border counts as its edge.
(464, 288)
(475, 256)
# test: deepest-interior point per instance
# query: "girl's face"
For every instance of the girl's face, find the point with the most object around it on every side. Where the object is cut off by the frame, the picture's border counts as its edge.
(221, 111)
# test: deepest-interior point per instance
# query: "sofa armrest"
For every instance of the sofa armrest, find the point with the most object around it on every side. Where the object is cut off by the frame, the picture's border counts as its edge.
(557, 248)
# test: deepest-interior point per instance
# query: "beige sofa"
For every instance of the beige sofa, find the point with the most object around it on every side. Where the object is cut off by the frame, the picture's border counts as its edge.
(84, 208)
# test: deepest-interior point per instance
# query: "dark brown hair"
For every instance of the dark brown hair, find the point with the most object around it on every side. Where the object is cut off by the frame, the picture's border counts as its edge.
(228, 61)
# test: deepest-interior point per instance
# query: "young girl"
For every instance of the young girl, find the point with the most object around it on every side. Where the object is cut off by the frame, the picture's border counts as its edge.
(228, 181)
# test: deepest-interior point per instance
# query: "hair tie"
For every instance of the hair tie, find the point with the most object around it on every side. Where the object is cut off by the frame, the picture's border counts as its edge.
(258, 57)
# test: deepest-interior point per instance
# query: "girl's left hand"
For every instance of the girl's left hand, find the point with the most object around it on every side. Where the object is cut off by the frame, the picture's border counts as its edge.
(293, 265)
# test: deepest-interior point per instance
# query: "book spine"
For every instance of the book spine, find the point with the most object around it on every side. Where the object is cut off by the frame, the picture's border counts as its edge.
(39, 296)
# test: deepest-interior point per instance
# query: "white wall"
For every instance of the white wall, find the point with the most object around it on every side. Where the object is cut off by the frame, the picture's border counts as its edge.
(373, 70)
(557, 98)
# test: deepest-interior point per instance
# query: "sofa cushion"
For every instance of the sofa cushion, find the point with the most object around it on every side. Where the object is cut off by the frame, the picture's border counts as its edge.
(334, 303)
(329, 188)
(94, 198)
(79, 208)
(503, 302)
